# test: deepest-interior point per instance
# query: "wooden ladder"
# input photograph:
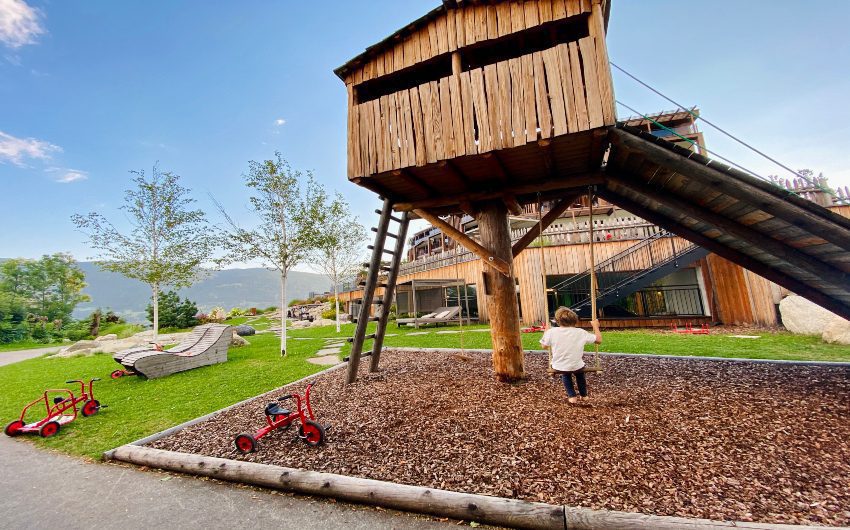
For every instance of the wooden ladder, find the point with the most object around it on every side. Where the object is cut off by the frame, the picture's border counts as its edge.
(372, 283)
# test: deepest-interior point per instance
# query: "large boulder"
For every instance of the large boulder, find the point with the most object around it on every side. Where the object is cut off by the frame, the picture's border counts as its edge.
(837, 331)
(803, 317)
(244, 331)
(322, 322)
(111, 336)
(81, 345)
(238, 342)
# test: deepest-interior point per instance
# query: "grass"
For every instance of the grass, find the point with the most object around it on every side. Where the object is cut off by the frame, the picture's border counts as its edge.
(138, 407)
(778, 345)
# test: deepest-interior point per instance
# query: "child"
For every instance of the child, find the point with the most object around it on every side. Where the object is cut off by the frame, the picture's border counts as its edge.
(567, 345)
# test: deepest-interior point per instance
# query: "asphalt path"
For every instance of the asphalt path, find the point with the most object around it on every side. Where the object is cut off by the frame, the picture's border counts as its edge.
(43, 489)
(9, 357)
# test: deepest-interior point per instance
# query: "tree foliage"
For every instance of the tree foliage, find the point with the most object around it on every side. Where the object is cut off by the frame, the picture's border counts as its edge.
(50, 287)
(167, 241)
(339, 246)
(174, 312)
(285, 208)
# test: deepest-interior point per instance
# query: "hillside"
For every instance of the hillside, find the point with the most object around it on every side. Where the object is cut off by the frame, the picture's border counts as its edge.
(228, 288)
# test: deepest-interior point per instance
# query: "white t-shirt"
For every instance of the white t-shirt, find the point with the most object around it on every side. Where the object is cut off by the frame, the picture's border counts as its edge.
(567, 345)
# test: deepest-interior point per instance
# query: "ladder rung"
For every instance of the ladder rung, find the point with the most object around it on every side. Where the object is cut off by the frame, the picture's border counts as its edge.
(382, 267)
(364, 354)
(396, 219)
(390, 252)
(394, 236)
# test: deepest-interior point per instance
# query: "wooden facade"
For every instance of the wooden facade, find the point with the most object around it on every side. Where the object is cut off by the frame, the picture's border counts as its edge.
(487, 95)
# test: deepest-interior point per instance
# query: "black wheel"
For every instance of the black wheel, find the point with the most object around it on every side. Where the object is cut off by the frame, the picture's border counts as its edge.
(14, 428)
(49, 429)
(91, 407)
(245, 443)
(312, 433)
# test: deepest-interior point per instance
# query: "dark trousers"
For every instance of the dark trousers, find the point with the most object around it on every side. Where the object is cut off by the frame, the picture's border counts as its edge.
(567, 379)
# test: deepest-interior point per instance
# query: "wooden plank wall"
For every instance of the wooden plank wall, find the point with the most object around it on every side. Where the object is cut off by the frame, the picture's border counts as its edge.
(561, 90)
(457, 28)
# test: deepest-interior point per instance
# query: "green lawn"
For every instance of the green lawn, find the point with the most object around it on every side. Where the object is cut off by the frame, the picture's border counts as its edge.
(138, 407)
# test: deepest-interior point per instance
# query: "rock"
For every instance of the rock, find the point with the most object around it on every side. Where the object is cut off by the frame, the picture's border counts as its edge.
(238, 342)
(321, 322)
(81, 345)
(837, 331)
(111, 336)
(803, 317)
(245, 331)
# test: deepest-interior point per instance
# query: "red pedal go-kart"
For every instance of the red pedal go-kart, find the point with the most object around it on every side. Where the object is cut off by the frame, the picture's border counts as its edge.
(309, 430)
(61, 409)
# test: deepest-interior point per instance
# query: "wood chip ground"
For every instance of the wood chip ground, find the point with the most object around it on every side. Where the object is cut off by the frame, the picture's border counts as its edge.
(711, 439)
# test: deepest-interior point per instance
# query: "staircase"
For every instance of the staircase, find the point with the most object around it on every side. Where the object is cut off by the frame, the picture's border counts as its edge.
(378, 271)
(640, 265)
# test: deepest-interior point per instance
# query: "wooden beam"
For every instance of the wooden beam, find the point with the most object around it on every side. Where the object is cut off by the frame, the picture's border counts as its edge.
(467, 242)
(469, 209)
(513, 206)
(372, 185)
(729, 253)
(753, 238)
(794, 210)
(497, 166)
(547, 221)
(545, 147)
(562, 184)
(451, 170)
(414, 182)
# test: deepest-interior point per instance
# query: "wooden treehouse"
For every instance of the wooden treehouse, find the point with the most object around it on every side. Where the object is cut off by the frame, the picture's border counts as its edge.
(482, 108)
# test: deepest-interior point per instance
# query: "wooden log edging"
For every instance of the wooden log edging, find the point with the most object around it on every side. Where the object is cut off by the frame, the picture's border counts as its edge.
(465, 506)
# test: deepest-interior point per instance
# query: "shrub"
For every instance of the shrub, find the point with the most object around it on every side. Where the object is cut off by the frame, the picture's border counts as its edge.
(270, 309)
(330, 314)
(217, 315)
(235, 312)
(175, 313)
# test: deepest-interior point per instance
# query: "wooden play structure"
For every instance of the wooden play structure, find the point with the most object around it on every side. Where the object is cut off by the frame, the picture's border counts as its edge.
(206, 345)
(479, 107)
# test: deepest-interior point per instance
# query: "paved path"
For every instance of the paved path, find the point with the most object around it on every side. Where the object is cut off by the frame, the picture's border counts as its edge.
(41, 489)
(9, 357)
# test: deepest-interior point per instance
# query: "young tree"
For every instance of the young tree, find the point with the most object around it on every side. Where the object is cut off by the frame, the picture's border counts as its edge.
(52, 285)
(286, 215)
(339, 244)
(167, 242)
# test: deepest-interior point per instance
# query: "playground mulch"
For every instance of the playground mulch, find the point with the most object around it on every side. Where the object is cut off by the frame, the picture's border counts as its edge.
(681, 437)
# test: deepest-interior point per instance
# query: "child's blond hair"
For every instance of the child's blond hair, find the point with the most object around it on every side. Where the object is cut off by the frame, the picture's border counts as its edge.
(565, 317)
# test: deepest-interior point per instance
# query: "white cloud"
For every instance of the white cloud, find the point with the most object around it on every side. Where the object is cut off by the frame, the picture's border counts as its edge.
(15, 150)
(278, 122)
(20, 23)
(71, 175)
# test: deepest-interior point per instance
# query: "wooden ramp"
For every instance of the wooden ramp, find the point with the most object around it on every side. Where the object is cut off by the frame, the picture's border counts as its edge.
(206, 345)
(766, 229)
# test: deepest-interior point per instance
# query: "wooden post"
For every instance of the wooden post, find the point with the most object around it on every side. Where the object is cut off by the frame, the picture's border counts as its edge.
(501, 298)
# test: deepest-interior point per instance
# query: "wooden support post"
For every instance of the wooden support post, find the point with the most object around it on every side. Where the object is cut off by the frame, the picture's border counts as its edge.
(490, 257)
(501, 299)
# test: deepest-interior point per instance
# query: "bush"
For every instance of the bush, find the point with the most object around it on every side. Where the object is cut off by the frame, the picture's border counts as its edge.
(217, 315)
(330, 314)
(235, 312)
(175, 313)
(270, 309)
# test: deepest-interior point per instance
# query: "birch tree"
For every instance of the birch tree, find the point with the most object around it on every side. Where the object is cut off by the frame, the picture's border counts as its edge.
(285, 208)
(167, 241)
(339, 244)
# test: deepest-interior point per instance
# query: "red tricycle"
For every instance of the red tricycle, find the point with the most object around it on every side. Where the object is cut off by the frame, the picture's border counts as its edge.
(310, 431)
(62, 410)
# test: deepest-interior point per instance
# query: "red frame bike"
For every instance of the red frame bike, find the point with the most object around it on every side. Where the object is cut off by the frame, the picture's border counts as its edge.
(310, 431)
(63, 410)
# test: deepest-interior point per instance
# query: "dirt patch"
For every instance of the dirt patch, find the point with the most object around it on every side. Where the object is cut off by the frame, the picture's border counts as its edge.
(712, 439)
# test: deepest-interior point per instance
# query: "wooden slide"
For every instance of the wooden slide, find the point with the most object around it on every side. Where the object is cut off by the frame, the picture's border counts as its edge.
(206, 345)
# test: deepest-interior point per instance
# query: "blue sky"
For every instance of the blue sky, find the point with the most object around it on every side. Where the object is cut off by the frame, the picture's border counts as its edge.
(90, 89)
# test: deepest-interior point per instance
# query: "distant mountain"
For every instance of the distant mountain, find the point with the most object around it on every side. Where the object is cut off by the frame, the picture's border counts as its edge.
(228, 288)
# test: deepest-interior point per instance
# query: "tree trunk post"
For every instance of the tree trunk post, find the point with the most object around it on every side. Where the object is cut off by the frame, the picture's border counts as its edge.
(500, 294)
(155, 312)
(283, 314)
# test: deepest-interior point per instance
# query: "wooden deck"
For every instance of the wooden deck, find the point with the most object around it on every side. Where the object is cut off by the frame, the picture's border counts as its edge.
(766, 229)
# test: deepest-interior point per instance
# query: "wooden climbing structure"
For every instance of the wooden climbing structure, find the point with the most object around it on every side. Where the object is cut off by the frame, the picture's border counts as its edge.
(479, 107)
